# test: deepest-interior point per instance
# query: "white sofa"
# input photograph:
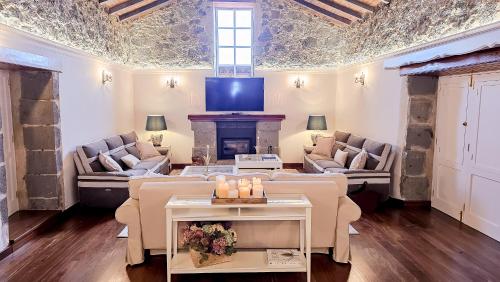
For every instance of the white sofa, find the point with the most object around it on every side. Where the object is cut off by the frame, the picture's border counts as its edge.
(332, 212)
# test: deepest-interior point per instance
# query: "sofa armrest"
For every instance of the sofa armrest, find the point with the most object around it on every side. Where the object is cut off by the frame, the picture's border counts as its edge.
(348, 212)
(128, 213)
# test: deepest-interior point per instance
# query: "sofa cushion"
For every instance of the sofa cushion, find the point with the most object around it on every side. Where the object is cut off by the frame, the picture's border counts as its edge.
(323, 146)
(356, 141)
(129, 138)
(117, 156)
(359, 161)
(96, 166)
(92, 150)
(136, 182)
(109, 163)
(341, 136)
(134, 151)
(150, 163)
(114, 142)
(147, 150)
(374, 147)
(315, 157)
(261, 175)
(328, 163)
(340, 157)
(351, 154)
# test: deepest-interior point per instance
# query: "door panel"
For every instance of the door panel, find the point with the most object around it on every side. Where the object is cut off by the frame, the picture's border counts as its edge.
(482, 208)
(449, 177)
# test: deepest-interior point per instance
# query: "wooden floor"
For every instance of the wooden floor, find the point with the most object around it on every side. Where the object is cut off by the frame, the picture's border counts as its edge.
(22, 223)
(394, 245)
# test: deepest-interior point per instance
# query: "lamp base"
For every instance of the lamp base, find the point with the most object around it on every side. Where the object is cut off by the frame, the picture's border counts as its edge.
(314, 138)
(156, 139)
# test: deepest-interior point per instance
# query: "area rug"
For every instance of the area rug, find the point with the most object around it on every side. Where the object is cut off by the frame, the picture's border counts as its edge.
(124, 232)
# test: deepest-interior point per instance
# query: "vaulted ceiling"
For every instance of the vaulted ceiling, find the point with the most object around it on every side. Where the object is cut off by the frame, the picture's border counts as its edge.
(340, 12)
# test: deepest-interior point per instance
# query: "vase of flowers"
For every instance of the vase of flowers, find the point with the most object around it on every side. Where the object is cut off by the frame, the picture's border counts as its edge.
(209, 243)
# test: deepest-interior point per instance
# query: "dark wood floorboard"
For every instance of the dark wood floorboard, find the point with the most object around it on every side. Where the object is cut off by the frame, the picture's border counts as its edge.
(394, 245)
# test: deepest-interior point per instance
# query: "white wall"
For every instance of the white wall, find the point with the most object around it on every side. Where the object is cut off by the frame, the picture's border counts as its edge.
(89, 110)
(376, 110)
(152, 96)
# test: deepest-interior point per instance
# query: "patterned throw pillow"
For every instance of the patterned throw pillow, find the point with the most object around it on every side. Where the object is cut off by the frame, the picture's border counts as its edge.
(108, 163)
(323, 146)
(359, 160)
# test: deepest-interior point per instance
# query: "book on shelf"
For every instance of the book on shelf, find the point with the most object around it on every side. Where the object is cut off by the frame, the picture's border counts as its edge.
(284, 257)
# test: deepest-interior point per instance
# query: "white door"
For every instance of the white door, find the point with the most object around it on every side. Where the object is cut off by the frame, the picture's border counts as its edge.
(482, 206)
(449, 176)
(8, 143)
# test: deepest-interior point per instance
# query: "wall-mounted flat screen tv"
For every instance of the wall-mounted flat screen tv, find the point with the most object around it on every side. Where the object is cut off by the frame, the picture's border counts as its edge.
(234, 94)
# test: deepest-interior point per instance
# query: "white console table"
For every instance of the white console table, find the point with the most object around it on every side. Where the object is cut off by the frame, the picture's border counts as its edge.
(199, 208)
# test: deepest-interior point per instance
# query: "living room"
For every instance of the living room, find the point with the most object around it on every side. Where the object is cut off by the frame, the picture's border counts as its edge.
(243, 89)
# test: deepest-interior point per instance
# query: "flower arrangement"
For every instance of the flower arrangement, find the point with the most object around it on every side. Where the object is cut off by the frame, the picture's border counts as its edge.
(210, 243)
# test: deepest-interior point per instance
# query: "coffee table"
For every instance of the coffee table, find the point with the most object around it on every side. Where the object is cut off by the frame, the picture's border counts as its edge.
(205, 170)
(262, 161)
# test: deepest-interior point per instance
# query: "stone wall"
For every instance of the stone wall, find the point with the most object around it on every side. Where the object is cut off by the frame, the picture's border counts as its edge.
(418, 154)
(82, 24)
(37, 138)
(4, 227)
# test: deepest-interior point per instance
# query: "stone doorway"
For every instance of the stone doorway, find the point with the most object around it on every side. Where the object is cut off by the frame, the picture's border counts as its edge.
(31, 168)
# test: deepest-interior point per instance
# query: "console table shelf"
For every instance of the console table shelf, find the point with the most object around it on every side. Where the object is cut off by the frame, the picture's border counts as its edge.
(280, 207)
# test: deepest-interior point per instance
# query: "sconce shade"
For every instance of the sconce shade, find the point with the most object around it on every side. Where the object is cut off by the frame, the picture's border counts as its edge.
(316, 122)
(156, 123)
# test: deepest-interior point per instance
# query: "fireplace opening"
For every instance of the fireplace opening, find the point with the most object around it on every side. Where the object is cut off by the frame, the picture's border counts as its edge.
(231, 147)
(235, 138)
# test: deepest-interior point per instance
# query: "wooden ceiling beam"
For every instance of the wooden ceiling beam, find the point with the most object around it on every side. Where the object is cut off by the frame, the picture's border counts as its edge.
(142, 10)
(342, 8)
(362, 5)
(325, 12)
(117, 8)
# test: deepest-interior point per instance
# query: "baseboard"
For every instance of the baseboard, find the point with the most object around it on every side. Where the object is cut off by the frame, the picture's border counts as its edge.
(398, 203)
(5, 253)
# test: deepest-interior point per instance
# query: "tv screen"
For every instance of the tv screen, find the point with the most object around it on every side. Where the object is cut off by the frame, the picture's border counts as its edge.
(234, 94)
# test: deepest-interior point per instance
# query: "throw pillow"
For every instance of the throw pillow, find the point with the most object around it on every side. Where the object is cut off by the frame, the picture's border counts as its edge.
(108, 163)
(340, 157)
(359, 160)
(323, 146)
(130, 160)
(147, 150)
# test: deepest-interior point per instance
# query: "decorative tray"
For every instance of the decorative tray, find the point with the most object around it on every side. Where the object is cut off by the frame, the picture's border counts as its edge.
(230, 201)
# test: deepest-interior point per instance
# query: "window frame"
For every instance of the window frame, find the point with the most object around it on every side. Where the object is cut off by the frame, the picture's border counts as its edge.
(234, 46)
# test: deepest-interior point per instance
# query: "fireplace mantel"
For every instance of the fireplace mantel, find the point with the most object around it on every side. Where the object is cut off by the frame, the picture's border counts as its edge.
(235, 117)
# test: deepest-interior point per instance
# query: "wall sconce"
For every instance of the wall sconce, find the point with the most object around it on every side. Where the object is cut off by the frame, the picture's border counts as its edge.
(360, 78)
(172, 82)
(106, 77)
(299, 83)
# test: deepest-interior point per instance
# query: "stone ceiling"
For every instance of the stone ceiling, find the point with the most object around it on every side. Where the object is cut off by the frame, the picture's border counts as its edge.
(288, 36)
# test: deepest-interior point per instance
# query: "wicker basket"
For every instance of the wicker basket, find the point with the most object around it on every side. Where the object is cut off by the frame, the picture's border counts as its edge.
(212, 259)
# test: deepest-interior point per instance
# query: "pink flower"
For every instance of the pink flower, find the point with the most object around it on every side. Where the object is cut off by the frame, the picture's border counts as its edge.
(219, 246)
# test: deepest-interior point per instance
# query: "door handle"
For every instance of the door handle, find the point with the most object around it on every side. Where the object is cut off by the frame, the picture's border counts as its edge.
(465, 123)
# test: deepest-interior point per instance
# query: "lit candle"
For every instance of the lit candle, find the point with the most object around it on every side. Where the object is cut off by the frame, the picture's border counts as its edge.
(244, 192)
(243, 182)
(220, 179)
(258, 191)
(222, 190)
(233, 193)
(232, 184)
(256, 180)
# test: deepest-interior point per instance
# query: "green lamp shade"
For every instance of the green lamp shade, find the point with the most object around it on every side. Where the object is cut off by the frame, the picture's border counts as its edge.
(156, 123)
(316, 122)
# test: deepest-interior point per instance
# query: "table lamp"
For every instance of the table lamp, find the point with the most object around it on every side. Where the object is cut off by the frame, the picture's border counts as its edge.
(156, 123)
(316, 122)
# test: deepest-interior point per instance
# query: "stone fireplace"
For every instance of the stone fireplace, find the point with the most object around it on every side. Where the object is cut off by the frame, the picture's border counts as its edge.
(230, 134)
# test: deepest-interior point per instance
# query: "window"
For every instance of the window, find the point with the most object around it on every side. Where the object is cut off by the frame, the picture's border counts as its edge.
(233, 39)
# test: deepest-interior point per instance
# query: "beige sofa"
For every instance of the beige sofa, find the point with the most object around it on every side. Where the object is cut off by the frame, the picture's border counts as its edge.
(332, 212)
